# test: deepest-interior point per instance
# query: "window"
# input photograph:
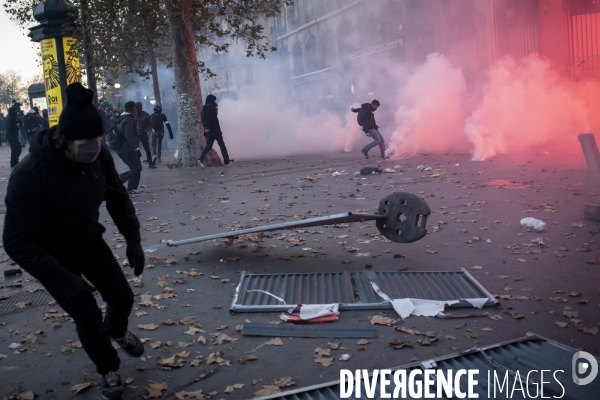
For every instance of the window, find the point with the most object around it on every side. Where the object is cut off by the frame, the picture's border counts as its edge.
(297, 59)
(312, 61)
(391, 22)
(344, 37)
(366, 29)
(328, 55)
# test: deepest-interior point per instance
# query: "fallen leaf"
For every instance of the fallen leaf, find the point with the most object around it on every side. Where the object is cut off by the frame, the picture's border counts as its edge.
(321, 352)
(407, 330)
(267, 390)
(202, 340)
(195, 395)
(239, 327)
(169, 322)
(147, 327)
(362, 342)
(187, 321)
(381, 320)
(324, 361)
(80, 387)
(476, 267)
(155, 389)
(334, 346)
(286, 381)
(245, 359)
(591, 330)
(275, 342)
(222, 338)
(431, 251)
(562, 324)
(229, 389)
(398, 344)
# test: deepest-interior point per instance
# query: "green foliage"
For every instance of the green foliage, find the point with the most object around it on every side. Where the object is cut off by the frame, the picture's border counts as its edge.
(121, 31)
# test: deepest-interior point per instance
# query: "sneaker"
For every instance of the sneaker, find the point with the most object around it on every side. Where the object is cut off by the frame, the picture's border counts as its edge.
(230, 161)
(151, 166)
(365, 154)
(201, 163)
(131, 344)
(133, 192)
(112, 387)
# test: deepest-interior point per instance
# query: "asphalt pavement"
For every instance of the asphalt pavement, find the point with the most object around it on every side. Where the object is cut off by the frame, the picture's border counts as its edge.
(193, 342)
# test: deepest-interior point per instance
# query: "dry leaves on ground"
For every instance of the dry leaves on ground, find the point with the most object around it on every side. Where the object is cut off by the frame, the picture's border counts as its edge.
(155, 389)
(381, 320)
(275, 342)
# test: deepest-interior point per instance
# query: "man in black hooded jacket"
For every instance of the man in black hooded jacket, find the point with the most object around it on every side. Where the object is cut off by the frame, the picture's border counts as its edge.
(367, 121)
(212, 130)
(52, 230)
(158, 132)
(144, 124)
(129, 151)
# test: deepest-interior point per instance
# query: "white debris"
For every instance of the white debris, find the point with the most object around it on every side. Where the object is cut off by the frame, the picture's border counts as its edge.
(345, 357)
(533, 223)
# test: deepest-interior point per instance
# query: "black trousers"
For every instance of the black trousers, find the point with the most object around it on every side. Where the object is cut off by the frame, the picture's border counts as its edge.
(15, 148)
(157, 144)
(133, 176)
(146, 143)
(98, 265)
(210, 141)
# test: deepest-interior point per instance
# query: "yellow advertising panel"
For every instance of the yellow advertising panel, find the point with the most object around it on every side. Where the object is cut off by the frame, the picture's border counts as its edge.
(51, 80)
(72, 65)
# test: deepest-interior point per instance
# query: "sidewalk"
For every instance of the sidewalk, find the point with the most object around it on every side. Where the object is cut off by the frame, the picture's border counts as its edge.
(476, 209)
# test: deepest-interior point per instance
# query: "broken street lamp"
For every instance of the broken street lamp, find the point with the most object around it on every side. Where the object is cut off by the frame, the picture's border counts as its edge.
(401, 217)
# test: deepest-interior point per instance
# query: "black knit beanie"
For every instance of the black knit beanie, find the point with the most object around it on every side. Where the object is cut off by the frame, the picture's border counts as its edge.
(129, 106)
(79, 118)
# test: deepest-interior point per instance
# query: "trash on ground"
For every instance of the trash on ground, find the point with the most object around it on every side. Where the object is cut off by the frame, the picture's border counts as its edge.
(389, 171)
(345, 357)
(370, 171)
(423, 168)
(14, 346)
(336, 173)
(533, 224)
(312, 313)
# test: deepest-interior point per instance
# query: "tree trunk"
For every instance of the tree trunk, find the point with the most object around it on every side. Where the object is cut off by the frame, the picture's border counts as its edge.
(154, 70)
(189, 95)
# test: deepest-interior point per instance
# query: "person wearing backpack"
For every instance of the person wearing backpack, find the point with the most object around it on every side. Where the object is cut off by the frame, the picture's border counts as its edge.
(128, 149)
(157, 120)
(366, 119)
(212, 130)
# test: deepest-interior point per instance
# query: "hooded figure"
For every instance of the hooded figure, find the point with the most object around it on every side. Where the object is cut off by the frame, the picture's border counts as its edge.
(212, 130)
(129, 151)
(144, 124)
(158, 132)
(52, 231)
(13, 126)
(33, 124)
(366, 119)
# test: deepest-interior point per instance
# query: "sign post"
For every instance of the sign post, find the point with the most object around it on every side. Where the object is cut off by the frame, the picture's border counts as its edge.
(60, 58)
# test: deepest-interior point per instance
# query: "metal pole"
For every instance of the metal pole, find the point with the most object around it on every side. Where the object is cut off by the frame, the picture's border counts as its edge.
(89, 59)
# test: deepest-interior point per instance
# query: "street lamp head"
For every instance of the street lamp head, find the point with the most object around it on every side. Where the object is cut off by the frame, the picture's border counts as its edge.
(55, 11)
(117, 85)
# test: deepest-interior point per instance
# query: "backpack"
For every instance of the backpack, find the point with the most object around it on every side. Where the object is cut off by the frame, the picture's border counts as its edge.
(115, 137)
(360, 118)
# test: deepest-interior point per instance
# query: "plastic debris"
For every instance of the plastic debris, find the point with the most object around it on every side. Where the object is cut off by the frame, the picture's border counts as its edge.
(370, 171)
(457, 165)
(345, 357)
(389, 171)
(540, 242)
(312, 313)
(336, 173)
(15, 346)
(533, 223)
(423, 168)
(357, 174)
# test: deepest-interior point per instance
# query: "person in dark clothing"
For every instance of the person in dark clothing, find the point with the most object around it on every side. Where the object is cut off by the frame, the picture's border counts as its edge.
(52, 230)
(129, 151)
(33, 124)
(2, 129)
(45, 122)
(143, 125)
(370, 127)
(157, 120)
(22, 133)
(13, 127)
(212, 130)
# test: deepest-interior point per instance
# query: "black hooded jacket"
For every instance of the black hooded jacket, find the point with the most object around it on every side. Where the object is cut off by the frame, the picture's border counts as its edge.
(143, 120)
(12, 119)
(128, 127)
(209, 117)
(52, 208)
(368, 116)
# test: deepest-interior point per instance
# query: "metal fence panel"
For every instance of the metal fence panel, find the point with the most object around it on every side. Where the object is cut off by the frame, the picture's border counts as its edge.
(523, 355)
(327, 288)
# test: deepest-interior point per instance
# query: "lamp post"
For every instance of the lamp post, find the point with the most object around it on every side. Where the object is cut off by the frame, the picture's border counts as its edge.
(60, 58)
(118, 86)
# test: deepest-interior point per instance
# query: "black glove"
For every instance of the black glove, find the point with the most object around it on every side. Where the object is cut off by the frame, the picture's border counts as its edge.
(171, 136)
(135, 255)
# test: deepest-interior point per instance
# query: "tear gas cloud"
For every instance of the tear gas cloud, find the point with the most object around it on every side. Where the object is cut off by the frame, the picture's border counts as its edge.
(521, 105)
